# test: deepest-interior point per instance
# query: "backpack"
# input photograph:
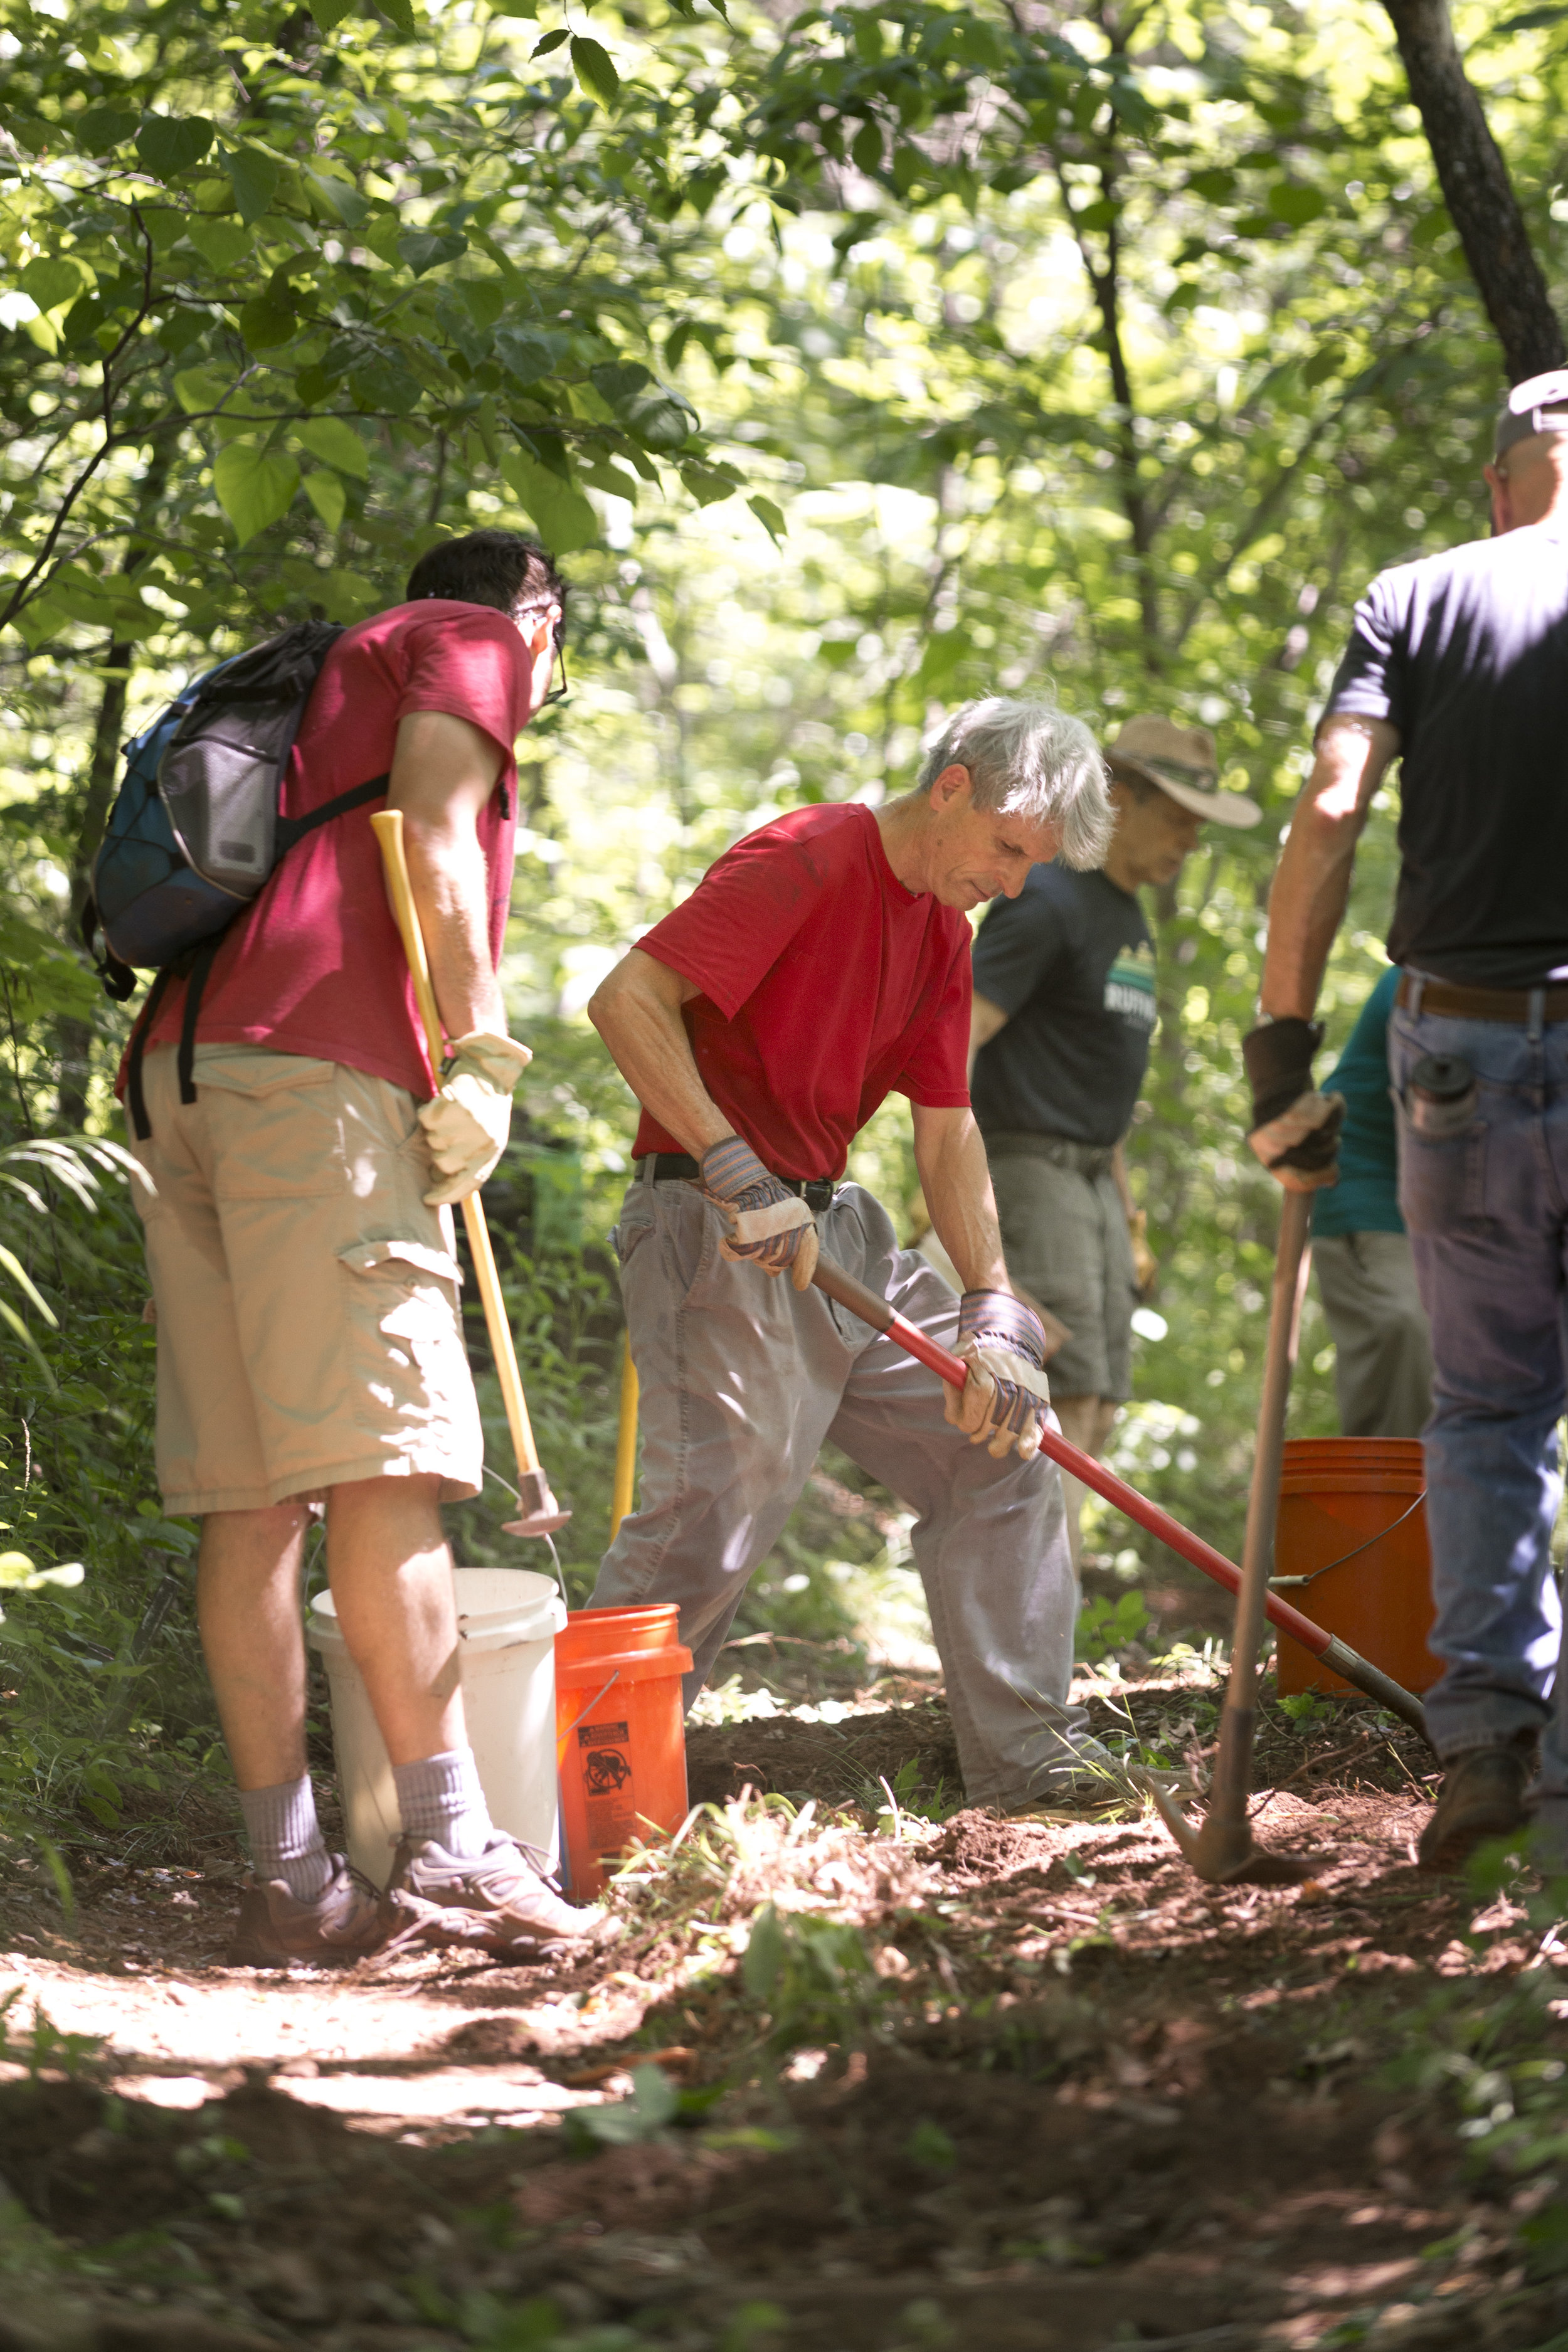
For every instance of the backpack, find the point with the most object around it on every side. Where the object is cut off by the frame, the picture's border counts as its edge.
(195, 831)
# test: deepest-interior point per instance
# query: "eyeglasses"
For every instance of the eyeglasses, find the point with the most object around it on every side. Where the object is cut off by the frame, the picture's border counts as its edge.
(558, 642)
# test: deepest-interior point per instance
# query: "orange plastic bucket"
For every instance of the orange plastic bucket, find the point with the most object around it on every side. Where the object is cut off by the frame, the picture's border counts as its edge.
(1352, 1518)
(620, 1733)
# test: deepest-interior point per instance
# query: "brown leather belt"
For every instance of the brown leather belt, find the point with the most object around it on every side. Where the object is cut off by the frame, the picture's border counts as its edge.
(1483, 1003)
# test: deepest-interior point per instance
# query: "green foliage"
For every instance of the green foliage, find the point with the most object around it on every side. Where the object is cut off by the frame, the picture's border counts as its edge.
(813, 1977)
(1105, 1626)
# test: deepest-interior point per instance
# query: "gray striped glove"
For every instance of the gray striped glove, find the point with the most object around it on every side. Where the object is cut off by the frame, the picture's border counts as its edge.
(1000, 1404)
(768, 1223)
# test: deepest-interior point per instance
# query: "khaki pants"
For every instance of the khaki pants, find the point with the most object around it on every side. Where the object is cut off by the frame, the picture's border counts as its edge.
(308, 1328)
(743, 1377)
(1383, 1349)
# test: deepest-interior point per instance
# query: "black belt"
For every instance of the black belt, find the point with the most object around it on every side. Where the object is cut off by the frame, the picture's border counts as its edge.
(816, 1192)
(1483, 1004)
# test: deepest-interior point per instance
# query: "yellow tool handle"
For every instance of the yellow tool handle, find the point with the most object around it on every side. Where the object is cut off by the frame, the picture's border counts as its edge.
(388, 827)
(626, 1445)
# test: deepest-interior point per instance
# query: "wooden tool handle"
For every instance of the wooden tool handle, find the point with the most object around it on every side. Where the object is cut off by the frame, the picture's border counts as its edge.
(388, 826)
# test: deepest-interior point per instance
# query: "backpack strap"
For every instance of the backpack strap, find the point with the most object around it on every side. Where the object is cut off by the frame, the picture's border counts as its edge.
(290, 829)
(119, 980)
(141, 1125)
(190, 1013)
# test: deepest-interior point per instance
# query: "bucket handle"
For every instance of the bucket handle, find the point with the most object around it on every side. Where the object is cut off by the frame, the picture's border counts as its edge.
(1277, 1583)
(563, 1737)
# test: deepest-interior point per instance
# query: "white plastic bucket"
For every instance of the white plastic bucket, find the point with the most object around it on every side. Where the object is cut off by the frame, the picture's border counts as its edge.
(507, 1619)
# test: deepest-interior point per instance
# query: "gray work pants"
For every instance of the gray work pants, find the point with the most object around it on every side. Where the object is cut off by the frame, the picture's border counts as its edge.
(1382, 1347)
(742, 1378)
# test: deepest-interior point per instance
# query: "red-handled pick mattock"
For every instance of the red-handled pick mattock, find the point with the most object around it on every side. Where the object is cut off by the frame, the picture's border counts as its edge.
(872, 1309)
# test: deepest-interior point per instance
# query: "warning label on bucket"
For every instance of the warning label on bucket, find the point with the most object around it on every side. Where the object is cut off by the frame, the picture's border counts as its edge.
(601, 1734)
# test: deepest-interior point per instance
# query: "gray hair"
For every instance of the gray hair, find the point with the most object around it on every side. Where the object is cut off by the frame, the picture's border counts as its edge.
(1028, 758)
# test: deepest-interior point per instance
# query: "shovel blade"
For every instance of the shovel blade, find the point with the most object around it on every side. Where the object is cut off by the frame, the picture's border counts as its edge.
(1225, 1854)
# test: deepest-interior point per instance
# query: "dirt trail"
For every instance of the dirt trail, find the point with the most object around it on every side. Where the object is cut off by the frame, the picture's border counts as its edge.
(1028, 2084)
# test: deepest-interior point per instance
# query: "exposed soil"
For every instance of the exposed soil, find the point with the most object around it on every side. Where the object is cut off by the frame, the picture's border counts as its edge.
(1057, 2096)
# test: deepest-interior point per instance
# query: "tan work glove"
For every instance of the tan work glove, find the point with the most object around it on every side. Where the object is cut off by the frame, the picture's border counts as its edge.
(768, 1223)
(1000, 1404)
(1145, 1265)
(468, 1123)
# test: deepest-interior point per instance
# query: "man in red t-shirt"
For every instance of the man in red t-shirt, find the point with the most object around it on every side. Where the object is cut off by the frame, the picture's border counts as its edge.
(301, 1246)
(822, 964)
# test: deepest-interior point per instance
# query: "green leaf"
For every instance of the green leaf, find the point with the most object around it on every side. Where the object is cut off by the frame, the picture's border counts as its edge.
(254, 179)
(334, 440)
(9, 1314)
(1325, 361)
(169, 144)
(402, 14)
(427, 248)
(770, 518)
(659, 419)
(1289, 202)
(25, 1284)
(340, 197)
(267, 321)
(223, 243)
(328, 495)
(551, 41)
(200, 389)
(594, 69)
(253, 490)
(867, 147)
(529, 355)
(329, 13)
(51, 282)
(104, 128)
(559, 511)
(619, 379)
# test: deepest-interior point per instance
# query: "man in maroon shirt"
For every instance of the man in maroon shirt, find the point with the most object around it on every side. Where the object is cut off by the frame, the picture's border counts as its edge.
(300, 1248)
(821, 965)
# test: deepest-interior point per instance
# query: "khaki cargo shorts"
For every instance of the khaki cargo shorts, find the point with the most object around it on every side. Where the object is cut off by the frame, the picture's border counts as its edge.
(306, 1298)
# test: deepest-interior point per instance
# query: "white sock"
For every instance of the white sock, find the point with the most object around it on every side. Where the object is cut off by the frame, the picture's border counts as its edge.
(439, 1796)
(285, 1837)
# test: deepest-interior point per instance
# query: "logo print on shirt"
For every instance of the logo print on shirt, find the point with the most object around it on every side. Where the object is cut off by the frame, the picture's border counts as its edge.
(1130, 986)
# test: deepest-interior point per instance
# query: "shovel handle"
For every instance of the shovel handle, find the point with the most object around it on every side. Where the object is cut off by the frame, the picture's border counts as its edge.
(388, 827)
(872, 1309)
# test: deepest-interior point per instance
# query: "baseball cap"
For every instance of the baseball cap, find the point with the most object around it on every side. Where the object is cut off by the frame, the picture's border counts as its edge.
(1539, 405)
(1182, 761)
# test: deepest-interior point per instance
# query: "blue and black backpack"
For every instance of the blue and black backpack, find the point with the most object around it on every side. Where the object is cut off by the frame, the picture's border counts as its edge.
(195, 831)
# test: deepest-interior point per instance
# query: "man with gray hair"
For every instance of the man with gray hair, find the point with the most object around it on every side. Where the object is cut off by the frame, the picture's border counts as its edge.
(822, 964)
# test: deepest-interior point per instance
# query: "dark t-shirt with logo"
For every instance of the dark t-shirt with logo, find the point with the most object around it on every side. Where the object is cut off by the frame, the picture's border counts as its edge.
(1070, 962)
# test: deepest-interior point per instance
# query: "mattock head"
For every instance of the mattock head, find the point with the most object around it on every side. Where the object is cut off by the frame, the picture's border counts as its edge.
(1225, 1854)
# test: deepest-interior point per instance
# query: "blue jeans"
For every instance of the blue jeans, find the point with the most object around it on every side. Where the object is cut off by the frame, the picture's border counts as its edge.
(1488, 1212)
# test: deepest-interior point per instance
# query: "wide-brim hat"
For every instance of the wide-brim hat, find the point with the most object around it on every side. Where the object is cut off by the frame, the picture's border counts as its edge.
(1181, 762)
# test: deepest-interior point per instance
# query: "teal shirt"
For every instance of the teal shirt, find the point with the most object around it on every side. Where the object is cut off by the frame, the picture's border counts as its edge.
(1366, 1198)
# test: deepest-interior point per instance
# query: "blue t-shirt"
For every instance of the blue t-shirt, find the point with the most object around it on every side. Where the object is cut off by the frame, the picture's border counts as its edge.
(1467, 654)
(1366, 1198)
(1070, 962)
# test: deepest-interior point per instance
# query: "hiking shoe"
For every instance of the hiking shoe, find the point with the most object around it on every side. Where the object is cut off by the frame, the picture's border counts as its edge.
(509, 1904)
(1482, 1796)
(346, 1922)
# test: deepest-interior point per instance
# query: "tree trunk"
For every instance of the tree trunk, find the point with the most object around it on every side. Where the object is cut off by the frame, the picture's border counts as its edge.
(1478, 192)
(73, 1038)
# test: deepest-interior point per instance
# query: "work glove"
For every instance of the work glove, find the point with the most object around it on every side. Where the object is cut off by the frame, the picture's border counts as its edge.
(768, 1225)
(1295, 1130)
(1000, 1404)
(467, 1122)
(1145, 1265)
